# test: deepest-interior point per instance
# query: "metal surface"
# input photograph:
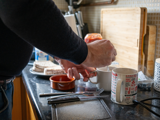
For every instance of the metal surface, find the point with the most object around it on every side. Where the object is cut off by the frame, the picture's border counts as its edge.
(74, 99)
(65, 93)
(53, 94)
(95, 94)
(80, 110)
(70, 10)
(79, 31)
(78, 17)
(81, 17)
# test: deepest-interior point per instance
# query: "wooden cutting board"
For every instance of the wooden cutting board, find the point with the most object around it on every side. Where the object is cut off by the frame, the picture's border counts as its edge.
(126, 28)
(149, 50)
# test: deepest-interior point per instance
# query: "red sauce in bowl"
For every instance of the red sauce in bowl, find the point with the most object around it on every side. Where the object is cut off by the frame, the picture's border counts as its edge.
(62, 82)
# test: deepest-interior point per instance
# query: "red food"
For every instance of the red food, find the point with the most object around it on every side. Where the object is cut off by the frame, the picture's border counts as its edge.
(92, 37)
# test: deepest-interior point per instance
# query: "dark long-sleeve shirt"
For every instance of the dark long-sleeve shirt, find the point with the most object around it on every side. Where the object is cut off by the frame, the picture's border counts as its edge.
(28, 23)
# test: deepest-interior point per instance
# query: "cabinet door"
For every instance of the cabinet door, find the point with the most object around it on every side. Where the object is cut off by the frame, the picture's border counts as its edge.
(17, 101)
(29, 109)
(22, 107)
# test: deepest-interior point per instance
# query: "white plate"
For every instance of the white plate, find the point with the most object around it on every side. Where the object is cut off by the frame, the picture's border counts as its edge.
(38, 73)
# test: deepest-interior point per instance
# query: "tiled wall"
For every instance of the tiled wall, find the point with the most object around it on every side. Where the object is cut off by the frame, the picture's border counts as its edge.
(91, 14)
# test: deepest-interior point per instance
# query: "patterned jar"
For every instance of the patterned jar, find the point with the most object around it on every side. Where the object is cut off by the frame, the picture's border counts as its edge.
(157, 75)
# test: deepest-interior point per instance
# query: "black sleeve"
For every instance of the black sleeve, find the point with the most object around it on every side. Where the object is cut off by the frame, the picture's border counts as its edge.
(40, 23)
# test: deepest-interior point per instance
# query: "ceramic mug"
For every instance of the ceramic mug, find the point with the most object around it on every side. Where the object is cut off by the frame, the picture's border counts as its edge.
(124, 85)
(103, 79)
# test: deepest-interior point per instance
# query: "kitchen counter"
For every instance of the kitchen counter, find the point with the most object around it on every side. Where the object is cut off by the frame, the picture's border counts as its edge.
(40, 84)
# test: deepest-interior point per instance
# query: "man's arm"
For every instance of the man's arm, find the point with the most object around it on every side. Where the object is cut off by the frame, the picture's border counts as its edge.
(41, 23)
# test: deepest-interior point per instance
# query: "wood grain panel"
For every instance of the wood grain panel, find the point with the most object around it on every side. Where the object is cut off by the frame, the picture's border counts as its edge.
(150, 43)
(125, 28)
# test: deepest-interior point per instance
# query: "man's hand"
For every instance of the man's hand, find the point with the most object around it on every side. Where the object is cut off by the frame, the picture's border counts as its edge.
(100, 53)
(73, 70)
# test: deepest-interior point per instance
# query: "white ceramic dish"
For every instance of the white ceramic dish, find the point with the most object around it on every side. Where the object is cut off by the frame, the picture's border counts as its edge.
(39, 73)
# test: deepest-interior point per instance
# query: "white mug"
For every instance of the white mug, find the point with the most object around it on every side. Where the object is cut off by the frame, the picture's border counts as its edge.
(124, 85)
(103, 79)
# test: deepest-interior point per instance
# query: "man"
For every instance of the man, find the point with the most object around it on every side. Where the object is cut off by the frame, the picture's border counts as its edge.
(28, 23)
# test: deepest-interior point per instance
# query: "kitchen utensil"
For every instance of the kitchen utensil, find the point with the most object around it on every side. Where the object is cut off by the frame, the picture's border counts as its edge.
(157, 75)
(59, 96)
(83, 27)
(74, 99)
(54, 94)
(80, 93)
(125, 28)
(85, 30)
(124, 85)
(70, 10)
(149, 51)
(79, 31)
(81, 17)
(62, 82)
(82, 110)
(78, 17)
(66, 93)
(70, 7)
(71, 22)
(103, 79)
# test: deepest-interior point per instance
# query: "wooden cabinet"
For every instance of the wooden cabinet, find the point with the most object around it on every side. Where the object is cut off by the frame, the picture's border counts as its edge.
(22, 108)
(29, 110)
(17, 100)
